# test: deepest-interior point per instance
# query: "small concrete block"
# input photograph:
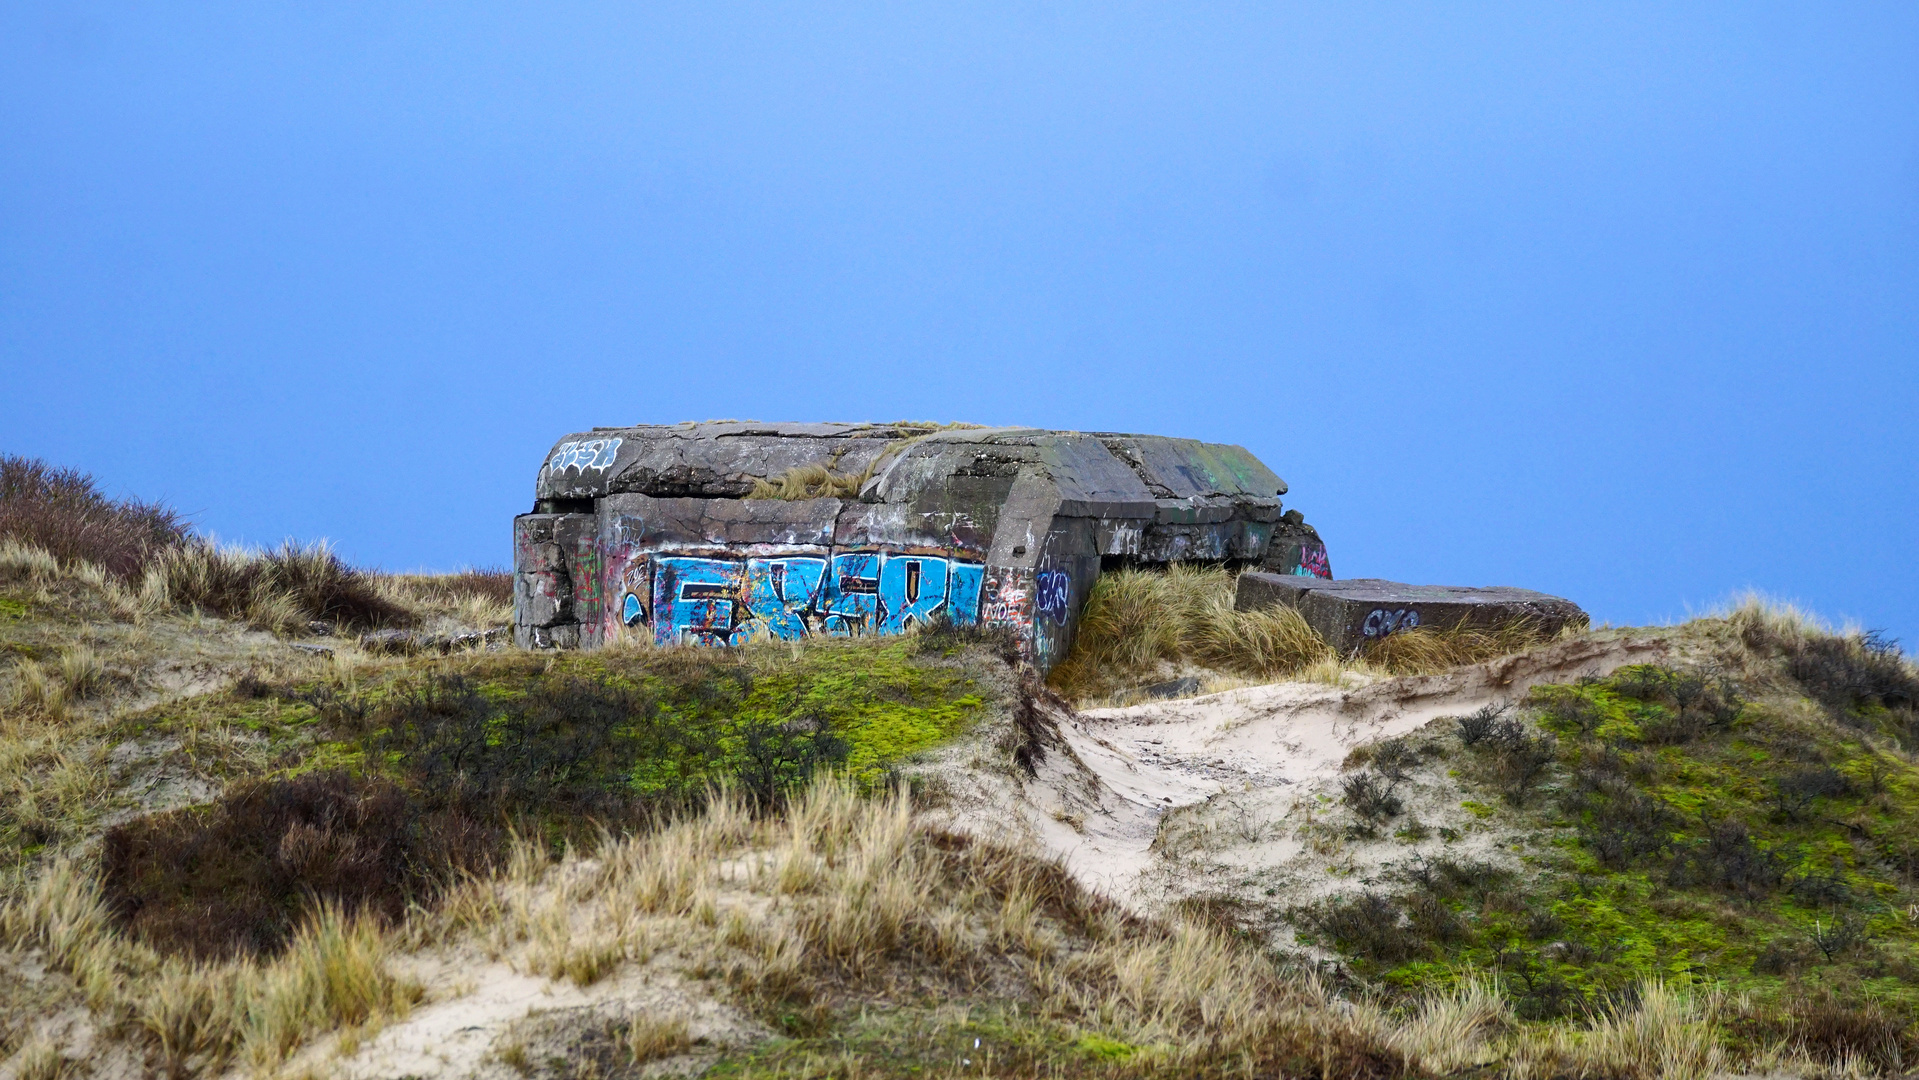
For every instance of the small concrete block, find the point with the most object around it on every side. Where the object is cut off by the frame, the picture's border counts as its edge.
(1172, 688)
(1350, 612)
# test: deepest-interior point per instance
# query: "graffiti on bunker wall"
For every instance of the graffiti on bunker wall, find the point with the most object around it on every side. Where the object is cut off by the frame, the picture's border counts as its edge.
(587, 596)
(595, 454)
(1380, 622)
(1007, 600)
(1313, 562)
(1052, 589)
(729, 601)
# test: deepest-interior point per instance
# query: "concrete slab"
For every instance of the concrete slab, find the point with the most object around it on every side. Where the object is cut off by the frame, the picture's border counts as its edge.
(1351, 612)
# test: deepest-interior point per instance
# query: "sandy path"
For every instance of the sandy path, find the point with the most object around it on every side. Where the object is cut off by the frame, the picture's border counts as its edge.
(1137, 763)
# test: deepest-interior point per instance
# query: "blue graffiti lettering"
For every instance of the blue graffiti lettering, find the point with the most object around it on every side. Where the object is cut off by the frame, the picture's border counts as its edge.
(852, 600)
(963, 583)
(779, 593)
(1052, 588)
(729, 602)
(693, 600)
(912, 590)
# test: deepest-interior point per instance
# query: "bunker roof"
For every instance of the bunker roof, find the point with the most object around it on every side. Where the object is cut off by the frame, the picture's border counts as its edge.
(1102, 474)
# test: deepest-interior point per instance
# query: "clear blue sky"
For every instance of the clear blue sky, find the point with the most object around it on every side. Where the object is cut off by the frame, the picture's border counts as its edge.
(1615, 301)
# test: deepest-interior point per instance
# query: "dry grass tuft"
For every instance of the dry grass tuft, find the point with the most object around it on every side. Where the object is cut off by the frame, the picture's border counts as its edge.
(40, 1059)
(1427, 650)
(480, 597)
(279, 590)
(844, 897)
(1136, 619)
(649, 1038)
(200, 1016)
(1137, 622)
(1451, 1032)
(813, 482)
(1666, 1034)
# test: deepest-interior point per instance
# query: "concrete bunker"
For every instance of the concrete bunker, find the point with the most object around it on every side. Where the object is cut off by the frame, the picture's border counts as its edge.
(714, 533)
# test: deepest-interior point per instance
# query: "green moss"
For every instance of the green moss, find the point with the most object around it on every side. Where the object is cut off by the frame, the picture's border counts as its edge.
(921, 1040)
(1760, 826)
(882, 701)
(566, 733)
(1106, 1049)
(12, 609)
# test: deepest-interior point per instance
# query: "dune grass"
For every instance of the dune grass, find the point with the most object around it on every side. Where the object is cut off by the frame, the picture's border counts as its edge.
(871, 939)
(1140, 625)
(1136, 623)
(813, 482)
(279, 590)
(56, 525)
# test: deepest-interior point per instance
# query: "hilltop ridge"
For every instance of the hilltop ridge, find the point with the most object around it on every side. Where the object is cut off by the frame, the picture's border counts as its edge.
(244, 837)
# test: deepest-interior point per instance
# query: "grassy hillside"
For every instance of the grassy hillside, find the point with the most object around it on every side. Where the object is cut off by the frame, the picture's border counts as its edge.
(1743, 825)
(239, 843)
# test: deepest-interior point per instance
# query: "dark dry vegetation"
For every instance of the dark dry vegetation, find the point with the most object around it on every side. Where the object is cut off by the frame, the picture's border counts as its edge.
(150, 548)
(63, 512)
(1702, 826)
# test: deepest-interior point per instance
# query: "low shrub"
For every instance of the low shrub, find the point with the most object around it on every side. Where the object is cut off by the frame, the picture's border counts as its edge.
(1731, 859)
(1487, 723)
(1394, 760)
(1854, 675)
(1450, 879)
(1795, 793)
(242, 875)
(1691, 703)
(1371, 925)
(1854, 672)
(1518, 757)
(64, 512)
(1370, 796)
(1622, 824)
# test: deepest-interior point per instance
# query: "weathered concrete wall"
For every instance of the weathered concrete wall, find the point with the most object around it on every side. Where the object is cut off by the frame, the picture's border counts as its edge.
(1350, 613)
(647, 533)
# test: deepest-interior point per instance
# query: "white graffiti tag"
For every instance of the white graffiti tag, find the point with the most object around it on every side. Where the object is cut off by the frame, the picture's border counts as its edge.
(595, 454)
(1381, 622)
